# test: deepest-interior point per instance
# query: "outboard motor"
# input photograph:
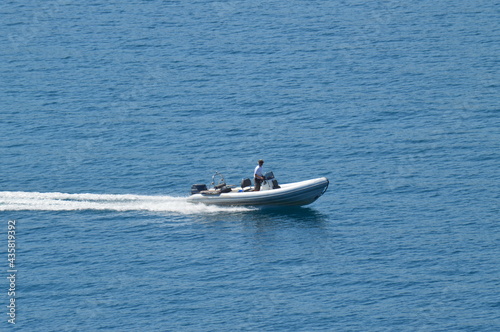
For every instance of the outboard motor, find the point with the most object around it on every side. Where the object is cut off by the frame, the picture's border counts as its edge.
(197, 188)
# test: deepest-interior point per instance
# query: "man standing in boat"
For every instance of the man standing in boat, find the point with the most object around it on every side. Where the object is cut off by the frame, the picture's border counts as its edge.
(258, 175)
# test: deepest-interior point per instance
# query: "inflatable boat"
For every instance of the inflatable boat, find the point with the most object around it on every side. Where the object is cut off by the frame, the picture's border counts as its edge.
(270, 193)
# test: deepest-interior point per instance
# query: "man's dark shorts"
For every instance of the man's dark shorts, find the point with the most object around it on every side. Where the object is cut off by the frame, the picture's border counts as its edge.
(257, 184)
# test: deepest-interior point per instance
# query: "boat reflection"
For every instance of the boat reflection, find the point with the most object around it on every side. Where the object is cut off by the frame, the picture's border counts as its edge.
(286, 215)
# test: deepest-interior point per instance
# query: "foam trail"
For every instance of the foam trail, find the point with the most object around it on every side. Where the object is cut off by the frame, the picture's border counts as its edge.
(35, 201)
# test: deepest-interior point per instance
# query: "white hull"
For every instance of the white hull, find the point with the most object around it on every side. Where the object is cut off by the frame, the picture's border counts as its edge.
(297, 193)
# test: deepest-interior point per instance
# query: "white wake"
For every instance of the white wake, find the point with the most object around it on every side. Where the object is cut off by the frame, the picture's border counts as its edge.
(35, 201)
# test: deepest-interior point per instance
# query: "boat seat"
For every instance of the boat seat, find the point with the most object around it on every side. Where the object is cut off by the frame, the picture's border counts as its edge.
(245, 183)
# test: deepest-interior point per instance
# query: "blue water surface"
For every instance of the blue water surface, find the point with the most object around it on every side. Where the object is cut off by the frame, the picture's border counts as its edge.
(397, 103)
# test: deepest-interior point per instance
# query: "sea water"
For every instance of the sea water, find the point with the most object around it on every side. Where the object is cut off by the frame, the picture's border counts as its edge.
(110, 110)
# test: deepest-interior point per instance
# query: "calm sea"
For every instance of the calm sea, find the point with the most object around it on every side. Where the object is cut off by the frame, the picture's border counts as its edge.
(110, 110)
